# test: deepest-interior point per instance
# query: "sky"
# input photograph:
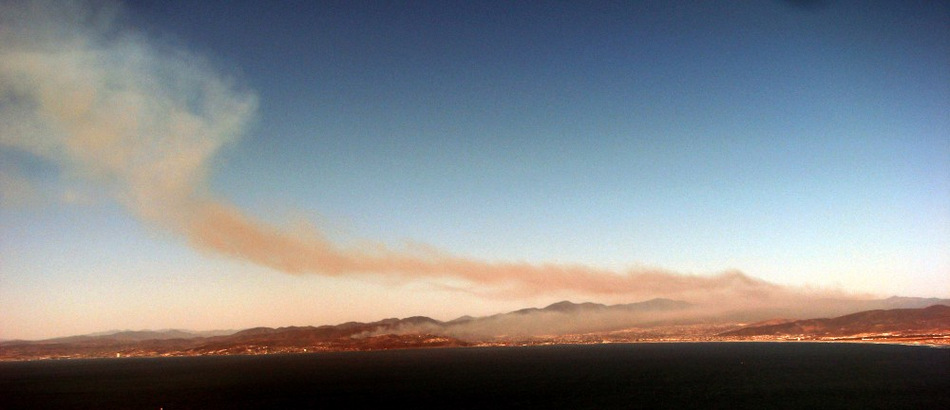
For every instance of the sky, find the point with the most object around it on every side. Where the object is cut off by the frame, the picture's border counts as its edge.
(224, 165)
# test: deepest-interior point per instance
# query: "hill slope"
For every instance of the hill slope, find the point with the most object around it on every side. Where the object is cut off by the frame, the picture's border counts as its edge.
(931, 319)
(561, 322)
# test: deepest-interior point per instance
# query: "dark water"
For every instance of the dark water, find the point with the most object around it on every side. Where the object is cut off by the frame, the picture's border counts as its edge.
(688, 375)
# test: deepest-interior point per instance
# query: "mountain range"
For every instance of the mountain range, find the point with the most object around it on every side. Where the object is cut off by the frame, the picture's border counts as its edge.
(561, 322)
(930, 320)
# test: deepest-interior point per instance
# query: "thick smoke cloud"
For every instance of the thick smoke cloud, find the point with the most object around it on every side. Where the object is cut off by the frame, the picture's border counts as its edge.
(144, 121)
(107, 107)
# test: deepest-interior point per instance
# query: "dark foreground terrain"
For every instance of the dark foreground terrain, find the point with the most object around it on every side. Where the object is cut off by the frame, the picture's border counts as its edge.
(661, 375)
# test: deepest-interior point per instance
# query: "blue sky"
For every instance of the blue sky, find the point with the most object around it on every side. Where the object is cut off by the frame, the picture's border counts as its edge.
(802, 143)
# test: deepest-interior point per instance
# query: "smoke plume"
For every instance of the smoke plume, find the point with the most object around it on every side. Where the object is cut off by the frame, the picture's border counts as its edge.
(144, 121)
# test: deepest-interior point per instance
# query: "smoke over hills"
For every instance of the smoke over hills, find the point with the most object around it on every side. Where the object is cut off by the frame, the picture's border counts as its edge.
(80, 90)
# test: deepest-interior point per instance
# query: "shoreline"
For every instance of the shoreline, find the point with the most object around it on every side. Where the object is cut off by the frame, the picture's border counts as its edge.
(937, 343)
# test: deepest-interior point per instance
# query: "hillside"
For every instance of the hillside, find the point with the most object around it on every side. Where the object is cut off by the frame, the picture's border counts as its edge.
(562, 322)
(929, 320)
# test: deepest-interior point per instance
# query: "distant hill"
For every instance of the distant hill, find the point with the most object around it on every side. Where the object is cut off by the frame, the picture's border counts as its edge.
(931, 319)
(413, 332)
(893, 302)
(137, 335)
(303, 336)
(384, 334)
(561, 322)
(658, 304)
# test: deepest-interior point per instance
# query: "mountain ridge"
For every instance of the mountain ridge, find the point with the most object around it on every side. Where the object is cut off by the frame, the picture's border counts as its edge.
(563, 306)
(929, 319)
(559, 322)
